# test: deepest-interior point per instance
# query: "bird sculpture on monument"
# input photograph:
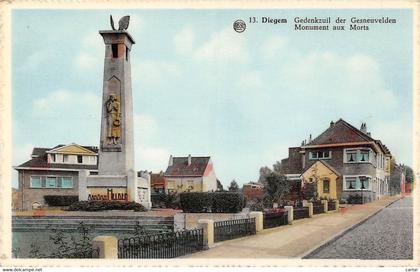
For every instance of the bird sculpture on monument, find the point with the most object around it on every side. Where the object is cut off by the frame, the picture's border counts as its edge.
(122, 23)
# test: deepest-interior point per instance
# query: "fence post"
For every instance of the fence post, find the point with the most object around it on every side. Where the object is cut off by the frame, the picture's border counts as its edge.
(259, 220)
(108, 246)
(337, 205)
(208, 232)
(325, 203)
(310, 205)
(289, 210)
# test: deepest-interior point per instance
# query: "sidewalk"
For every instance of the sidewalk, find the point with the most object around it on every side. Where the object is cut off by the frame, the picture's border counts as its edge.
(297, 240)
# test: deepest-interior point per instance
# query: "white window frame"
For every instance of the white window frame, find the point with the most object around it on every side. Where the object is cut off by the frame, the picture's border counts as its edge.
(358, 151)
(30, 182)
(311, 157)
(46, 182)
(357, 177)
(67, 177)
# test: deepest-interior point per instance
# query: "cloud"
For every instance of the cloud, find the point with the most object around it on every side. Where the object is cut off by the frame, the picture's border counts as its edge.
(152, 71)
(90, 55)
(223, 46)
(399, 141)
(151, 158)
(184, 41)
(67, 103)
(250, 80)
(274, 46)
(35, 60)
(145, 127)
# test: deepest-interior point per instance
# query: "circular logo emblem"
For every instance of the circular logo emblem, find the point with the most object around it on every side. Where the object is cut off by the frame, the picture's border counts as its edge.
(239, 26)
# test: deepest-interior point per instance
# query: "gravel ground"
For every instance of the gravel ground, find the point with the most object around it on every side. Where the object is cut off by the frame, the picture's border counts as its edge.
(387, 235)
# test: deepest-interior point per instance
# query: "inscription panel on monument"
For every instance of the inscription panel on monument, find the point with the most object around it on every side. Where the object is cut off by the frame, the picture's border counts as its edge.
(110, 194)
(113, 118)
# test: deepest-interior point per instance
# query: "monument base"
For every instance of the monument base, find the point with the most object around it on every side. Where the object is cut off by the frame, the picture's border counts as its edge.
(124, 188)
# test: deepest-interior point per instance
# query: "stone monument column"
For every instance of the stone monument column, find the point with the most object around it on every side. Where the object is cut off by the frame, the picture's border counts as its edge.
(116, 151)
(117, 179)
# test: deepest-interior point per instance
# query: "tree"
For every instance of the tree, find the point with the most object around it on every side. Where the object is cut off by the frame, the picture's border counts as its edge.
(264, 172)
(233, 187)
(277, 167)
(409, 175)
(219, 186)
(276, 188)
(309, 191)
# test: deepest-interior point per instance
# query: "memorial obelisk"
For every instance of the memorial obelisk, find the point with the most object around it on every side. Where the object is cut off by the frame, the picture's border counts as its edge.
(117, 178)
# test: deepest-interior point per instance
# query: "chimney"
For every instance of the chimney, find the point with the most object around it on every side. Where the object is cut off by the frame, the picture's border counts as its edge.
(310, 138)
(171, 161)
(189, 159)
(331, 123)
(363, 128)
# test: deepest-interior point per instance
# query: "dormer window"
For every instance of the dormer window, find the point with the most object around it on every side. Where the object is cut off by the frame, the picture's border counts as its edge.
(319, 155)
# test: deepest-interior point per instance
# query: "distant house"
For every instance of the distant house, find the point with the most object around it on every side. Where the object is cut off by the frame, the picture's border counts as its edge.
(342, 161)
(190, 174)
(53, 171)
(253, 190)
(158, 183)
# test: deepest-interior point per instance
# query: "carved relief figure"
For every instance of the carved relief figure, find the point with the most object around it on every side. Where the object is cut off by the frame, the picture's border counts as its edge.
(113, 119)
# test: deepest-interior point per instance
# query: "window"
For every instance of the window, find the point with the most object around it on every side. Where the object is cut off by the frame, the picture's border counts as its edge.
(114, 48)
(364, 183)
(357, 183)
(326, 186)
(79, 159)
(319, 155)
(351, 183)
(351, 155)
(364, 156)
(51, 182)
(36, 182)
(66, 182)
(53, 159)
(358, 155)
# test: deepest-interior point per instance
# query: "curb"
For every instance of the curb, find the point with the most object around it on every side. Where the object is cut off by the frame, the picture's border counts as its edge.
(308, 254)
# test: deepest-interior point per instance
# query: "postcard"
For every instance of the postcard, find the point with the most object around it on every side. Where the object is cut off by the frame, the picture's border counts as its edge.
(208, 134)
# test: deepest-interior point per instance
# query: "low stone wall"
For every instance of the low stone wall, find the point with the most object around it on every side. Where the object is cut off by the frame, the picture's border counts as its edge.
(190, 220)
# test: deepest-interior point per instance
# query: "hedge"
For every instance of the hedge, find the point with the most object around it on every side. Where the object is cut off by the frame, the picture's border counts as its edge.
(92, 206)
(216, 202)
(60, 200)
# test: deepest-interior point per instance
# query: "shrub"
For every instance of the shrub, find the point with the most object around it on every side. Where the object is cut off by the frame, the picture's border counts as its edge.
(196, 202)
(92, 206)
(218, 202)
(354, 199)
(60, 200)
(165, 200)
(227, 202)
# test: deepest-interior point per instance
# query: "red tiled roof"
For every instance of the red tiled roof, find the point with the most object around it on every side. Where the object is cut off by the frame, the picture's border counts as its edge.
(180, 167)
(341, 132)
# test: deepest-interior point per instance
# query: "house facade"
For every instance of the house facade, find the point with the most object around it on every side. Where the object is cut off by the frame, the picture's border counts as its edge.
(343, 161)
(53, 171)
(253, 190)
(190, 174)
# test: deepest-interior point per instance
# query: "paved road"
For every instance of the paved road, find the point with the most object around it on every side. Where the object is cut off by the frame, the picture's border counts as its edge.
(387, 235)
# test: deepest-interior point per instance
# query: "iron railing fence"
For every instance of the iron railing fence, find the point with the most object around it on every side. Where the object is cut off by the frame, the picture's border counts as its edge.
(92, 253)
(272, 220)
(231, 229)
(318, 208)
(162, 245)
(331, 205)
(299, 213)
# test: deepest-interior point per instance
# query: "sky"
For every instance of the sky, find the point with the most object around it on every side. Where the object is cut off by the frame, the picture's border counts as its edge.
(200, 88)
